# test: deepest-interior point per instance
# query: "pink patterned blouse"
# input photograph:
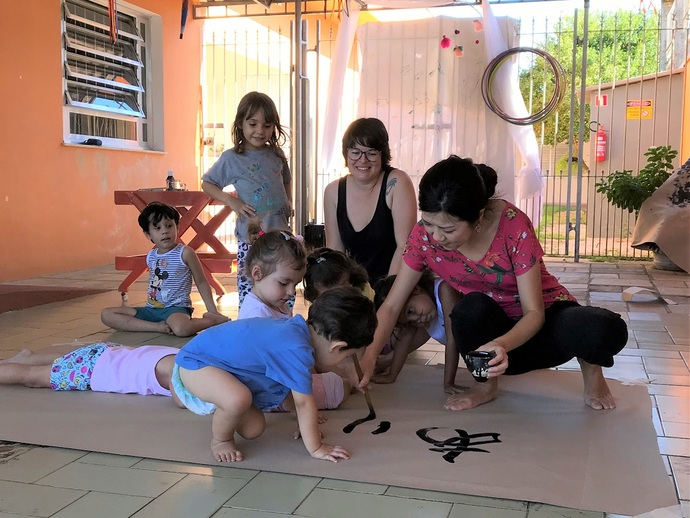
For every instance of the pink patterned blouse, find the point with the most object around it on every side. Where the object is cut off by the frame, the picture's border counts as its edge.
(513, 251)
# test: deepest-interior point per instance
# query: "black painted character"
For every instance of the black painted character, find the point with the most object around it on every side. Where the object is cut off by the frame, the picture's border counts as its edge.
(454, 446)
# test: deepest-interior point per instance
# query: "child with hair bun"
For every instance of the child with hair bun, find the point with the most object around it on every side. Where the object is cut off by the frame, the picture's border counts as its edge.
(328, 268)
(275, 264)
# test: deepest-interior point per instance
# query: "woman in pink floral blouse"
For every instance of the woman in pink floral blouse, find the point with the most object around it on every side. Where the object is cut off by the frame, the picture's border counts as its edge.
(486, 248)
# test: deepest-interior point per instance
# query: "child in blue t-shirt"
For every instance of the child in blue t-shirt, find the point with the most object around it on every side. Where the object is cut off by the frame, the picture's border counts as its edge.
(239, 369)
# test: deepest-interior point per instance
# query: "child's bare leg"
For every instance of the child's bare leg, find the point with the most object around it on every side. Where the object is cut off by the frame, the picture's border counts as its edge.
(32, 376)
(252, 424)
(597, 392)
(182, 324)
(249, 425)
(21, 357)
(234, 409)
(215, 318)
(123, 319)
(45, 356)
(410, 339)
(478, 394)
(163, 370)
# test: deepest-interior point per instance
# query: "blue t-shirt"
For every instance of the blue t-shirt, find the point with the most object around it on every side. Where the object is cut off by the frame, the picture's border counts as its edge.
(270, 356)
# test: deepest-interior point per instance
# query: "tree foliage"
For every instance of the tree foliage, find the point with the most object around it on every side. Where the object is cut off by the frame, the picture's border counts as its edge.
(620, 45)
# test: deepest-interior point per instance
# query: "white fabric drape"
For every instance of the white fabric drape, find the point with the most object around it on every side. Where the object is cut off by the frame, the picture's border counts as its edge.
(341, 56)
(429, 98)
(506, 91)
(456, 119)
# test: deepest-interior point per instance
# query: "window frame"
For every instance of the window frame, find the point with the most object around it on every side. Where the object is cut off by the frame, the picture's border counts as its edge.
(121, 104)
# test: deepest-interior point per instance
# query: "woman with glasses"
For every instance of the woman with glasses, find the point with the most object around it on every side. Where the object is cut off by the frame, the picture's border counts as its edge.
(370, 211)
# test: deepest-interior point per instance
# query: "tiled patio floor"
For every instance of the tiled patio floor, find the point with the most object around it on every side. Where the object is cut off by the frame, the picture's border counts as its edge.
(59, 483)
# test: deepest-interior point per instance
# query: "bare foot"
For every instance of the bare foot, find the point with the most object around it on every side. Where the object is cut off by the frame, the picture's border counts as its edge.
(226, 451)
(20, 357)
(163, 327)
(215, 318)
(478, 394)
(597, 393)
(383, 379)
(452, 388)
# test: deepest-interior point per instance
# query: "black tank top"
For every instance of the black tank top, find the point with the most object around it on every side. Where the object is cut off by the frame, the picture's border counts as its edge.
(374, 246)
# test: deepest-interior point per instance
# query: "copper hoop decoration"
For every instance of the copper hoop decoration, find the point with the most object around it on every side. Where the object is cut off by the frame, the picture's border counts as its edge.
(558, 94)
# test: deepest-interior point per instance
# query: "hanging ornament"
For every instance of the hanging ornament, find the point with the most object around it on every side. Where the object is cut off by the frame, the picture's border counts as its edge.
(183, 17)
(477, 25)
(445, 42)
(458, 51)
(112, 14)
(644, 5)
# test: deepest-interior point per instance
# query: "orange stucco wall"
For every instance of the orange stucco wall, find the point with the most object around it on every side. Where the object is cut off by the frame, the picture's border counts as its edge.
(56, 201)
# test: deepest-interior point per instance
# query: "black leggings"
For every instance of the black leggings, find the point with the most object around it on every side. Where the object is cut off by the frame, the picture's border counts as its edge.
(569, 331)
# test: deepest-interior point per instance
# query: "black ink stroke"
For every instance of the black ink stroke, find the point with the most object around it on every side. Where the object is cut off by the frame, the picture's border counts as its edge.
(454, 446)
(354, 424)
(384, 426)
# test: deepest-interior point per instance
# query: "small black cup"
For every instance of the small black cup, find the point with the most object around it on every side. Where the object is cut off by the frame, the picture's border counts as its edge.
(478, 364)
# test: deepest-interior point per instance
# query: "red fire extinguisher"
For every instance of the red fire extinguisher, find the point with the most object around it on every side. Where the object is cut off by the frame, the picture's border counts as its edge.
(601, 144)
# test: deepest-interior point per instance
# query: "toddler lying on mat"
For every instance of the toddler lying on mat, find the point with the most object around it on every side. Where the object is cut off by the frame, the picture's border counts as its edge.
(101, 367)
(111, 367)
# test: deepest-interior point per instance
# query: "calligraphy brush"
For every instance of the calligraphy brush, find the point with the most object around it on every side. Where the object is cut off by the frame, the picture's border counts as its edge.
(372, 414)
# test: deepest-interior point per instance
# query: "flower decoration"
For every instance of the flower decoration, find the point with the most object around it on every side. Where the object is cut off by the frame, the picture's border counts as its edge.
(446, 43)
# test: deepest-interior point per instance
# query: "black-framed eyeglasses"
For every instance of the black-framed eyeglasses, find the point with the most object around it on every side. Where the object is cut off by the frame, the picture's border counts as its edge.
(355, 154)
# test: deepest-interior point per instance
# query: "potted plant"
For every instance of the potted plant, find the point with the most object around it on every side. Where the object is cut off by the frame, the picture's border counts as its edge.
(628, 191)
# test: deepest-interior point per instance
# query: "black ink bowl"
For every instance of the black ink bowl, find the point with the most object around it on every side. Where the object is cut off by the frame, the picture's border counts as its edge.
(478, 364)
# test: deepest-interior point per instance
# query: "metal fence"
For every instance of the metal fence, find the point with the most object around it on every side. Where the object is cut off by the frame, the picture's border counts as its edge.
(614, 61)
(633, 58)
